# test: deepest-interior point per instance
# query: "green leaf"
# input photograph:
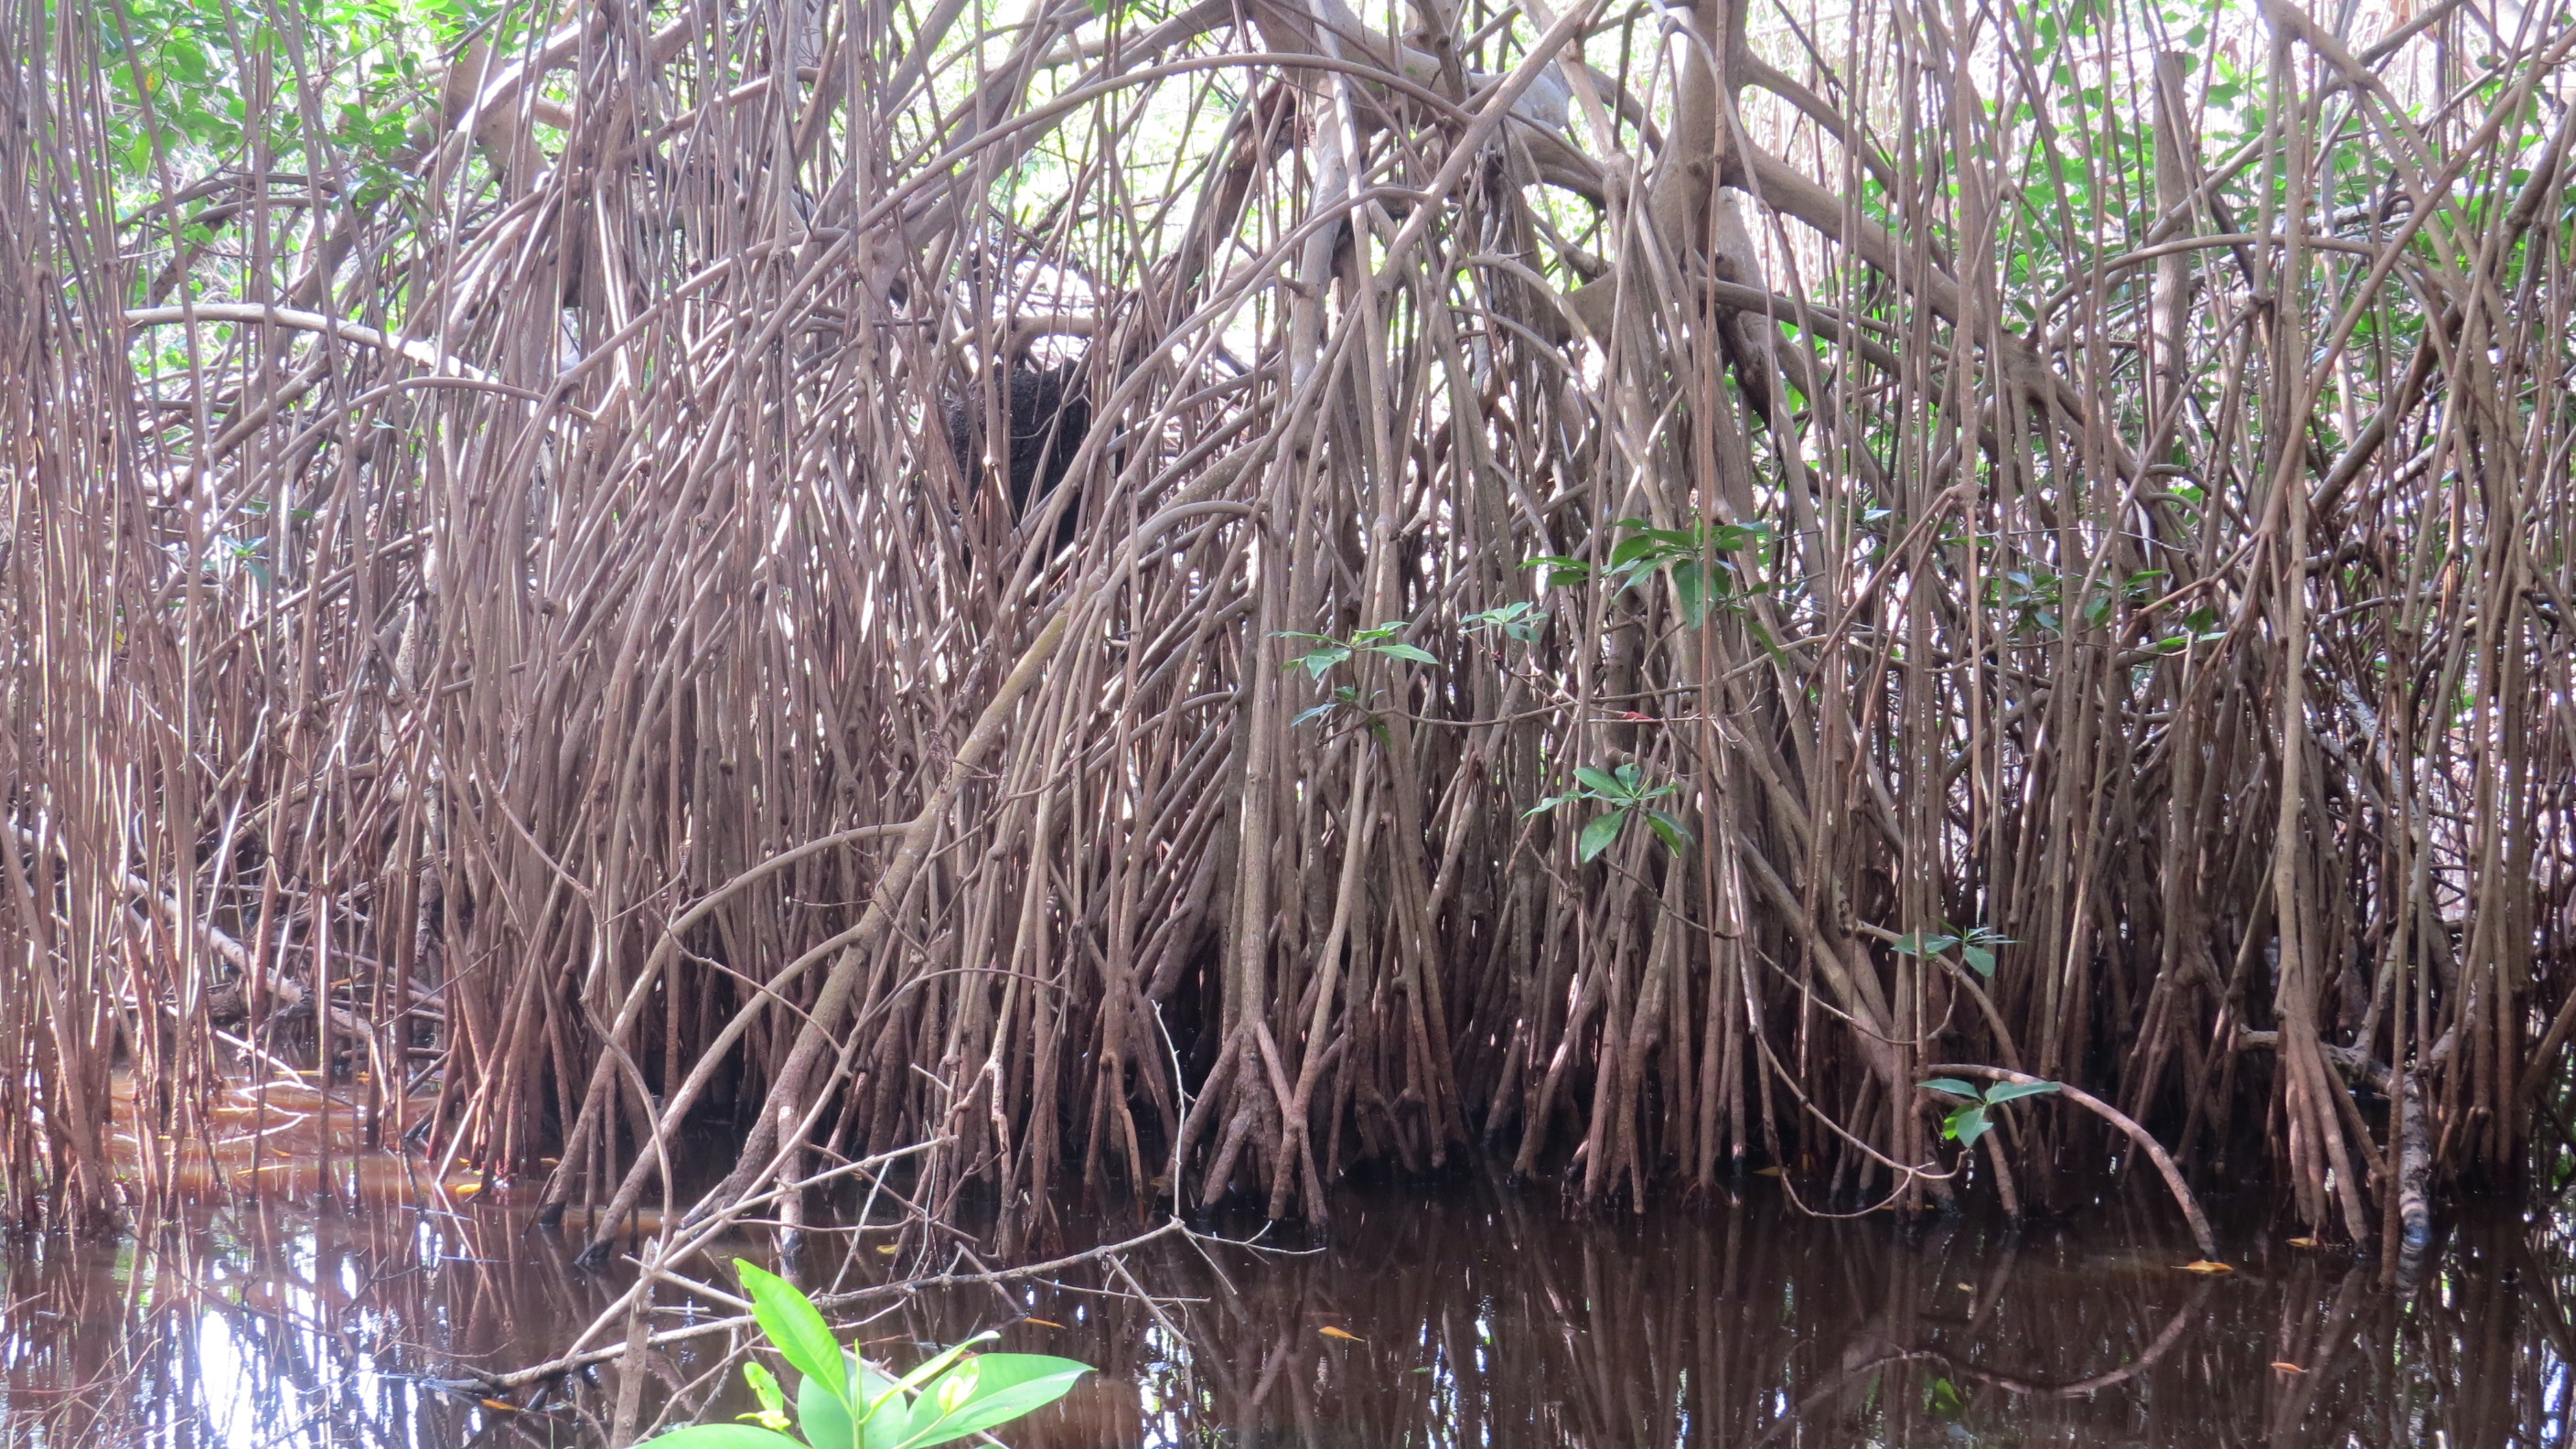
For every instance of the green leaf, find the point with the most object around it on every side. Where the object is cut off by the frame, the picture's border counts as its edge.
(874, 1383)
(1675, 835)
(1004, 1386)
(1597, 836)
(938, 1363)
(1951, 1087)
(1319, 660)
(794, 1326)
(1562, 571)
(824, 1415)
(724, 1436)
(940, 1400)
(1980, 960)
(888, 1428)
(1967, 1125)
(882, 1408)
(773, 1404)
(2002, 1092)
(1408, 651)
(1512, 619)
(1009, 1370)
(1598, 780)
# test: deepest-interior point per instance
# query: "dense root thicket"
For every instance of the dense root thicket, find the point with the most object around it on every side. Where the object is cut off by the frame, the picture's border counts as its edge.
(1634, 583)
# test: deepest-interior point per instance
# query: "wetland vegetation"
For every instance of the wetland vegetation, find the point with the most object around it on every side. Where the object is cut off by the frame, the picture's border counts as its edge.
(743, 622)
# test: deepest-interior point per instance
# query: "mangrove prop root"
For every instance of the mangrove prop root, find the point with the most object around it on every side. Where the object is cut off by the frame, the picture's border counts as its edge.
(1604, 614)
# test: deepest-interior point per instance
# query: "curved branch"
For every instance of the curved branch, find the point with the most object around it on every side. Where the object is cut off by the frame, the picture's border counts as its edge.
(2155, 1151)
(410, 348)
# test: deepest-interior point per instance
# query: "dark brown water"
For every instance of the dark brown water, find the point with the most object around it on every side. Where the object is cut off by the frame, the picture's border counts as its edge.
(1477, 1317)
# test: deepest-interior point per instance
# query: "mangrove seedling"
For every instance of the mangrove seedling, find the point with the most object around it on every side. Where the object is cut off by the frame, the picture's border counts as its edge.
(1329, 651)
(1975, 1117)
(845, 1402)
(1624, 790)
(1520, 621)
(1976, 946)
(1704, 574)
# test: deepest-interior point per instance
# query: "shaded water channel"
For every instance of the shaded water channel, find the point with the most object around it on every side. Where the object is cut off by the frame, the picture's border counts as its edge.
(1477, 1316)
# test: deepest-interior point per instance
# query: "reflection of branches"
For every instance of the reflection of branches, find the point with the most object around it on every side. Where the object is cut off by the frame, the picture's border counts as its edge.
(556, 1368)
(2163, 1344)
(1832, 1389)
(1492, 1324)
(2326, 1341)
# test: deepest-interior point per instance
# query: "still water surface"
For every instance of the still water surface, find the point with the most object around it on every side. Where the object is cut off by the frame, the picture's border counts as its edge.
(1478, 1316)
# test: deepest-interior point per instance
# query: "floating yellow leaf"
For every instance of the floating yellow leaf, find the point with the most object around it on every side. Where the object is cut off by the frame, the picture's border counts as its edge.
(2305, 1243)
(2203, 1265)
(1338, 1333)
(503, 1405)
(886, 1248)
(1769, 1172)
(1965, 1287)
(467, 1188)
(2287, 1367)
(1043, 1323)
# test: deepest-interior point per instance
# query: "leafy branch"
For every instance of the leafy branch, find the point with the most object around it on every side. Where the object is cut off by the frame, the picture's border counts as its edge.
(1626, 794)
(1976, 946)
(1329, 651)
(1974, 1119)
(845, 1402)
(1520, 621)
(1703, 574)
